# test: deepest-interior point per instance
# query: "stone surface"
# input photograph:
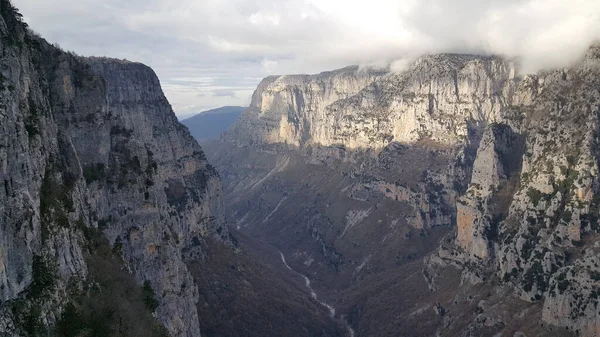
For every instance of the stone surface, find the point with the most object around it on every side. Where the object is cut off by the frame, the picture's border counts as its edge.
(542, 226)
(352, 174)
(437, 97)
(93, 143)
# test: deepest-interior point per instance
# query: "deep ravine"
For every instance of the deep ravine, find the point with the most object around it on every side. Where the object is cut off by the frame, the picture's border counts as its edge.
(313, 294)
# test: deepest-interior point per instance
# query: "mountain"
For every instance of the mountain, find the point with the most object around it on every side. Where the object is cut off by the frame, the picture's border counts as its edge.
(455, 198)
(93, 156)
(112, 218)
(210, 124)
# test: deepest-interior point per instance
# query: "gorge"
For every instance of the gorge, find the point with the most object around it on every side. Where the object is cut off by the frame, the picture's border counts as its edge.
(458, 170)
(455, 197)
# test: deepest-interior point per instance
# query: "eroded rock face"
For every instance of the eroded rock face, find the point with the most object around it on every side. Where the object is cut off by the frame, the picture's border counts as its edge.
(170, 201)
(573, 296)
(437, 97)
(93, 143)
(520, 176)
(291, 109)
(477, 213)
(542, 228)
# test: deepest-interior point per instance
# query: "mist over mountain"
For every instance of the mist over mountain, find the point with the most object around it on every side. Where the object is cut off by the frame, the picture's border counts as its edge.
(452, 197)
(307, 36)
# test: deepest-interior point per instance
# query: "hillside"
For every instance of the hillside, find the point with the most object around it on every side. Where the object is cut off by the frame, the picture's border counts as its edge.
(212, 123)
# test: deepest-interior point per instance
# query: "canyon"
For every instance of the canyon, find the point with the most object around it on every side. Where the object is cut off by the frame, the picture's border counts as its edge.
(455, 197)
(110, 210)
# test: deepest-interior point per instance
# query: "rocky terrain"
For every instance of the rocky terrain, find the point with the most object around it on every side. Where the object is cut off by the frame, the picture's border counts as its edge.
(92, 144)
(457, 197)
(109, 210)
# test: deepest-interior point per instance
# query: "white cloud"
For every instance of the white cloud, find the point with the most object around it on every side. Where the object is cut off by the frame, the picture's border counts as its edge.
(229, 41)
(269, 66)
(265, 18)
(400, 65)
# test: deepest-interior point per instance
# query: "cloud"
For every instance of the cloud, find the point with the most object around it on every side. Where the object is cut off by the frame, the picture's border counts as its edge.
(400, 65)
(269, 65)
(223, 93)
(542, 33)
(265, 18)
(197, 47)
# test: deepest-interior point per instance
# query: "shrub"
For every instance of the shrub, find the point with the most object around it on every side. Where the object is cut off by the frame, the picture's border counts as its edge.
(563, 285)
(149, 297)
(567, 216)
(534, 275)
(55, 202)
(94, 172)
(121, 131)
(577, 243)
(32, 323)
(31, 127)
(70, 323)
(111, 303)
(44, 278)
(535, 196)
(118, 248)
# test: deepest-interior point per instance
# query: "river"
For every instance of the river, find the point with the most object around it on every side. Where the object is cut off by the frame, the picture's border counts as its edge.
(313, 294)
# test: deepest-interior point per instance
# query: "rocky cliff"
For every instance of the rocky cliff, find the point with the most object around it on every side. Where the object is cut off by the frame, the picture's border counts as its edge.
(539, 232)
(357, 184)
(292, 109)
(92, 146)
(437, 97)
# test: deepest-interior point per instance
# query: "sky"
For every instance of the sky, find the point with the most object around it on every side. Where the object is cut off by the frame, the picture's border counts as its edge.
(211, 53)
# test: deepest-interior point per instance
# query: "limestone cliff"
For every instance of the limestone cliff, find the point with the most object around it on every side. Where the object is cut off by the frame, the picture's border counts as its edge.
(459, 141)
(436, 97)
(539, 232)
(92, 145)
(291, 109)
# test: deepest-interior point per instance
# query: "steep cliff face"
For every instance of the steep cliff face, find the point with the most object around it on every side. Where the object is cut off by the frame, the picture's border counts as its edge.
(538, 233)
(167, 197)
(437, 97)
(495, 172)
(291, 109)
(92, 145)
(460, 140)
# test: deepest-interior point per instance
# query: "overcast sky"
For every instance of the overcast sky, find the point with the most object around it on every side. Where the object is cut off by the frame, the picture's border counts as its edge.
(210, 53)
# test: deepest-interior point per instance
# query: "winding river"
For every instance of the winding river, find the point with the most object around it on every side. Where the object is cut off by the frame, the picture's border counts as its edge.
(313, 294)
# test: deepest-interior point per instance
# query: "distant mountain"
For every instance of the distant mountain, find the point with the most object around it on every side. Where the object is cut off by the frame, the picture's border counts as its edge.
(210, 124)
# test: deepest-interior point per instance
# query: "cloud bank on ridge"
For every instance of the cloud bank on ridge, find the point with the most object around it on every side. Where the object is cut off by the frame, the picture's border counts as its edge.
(213, 52)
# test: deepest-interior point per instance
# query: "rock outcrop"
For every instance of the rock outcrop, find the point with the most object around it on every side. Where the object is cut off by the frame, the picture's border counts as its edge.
(87, 145)
(292, 109)
(510, 159)
(438, 97)
(479, 210)
(538, 233)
